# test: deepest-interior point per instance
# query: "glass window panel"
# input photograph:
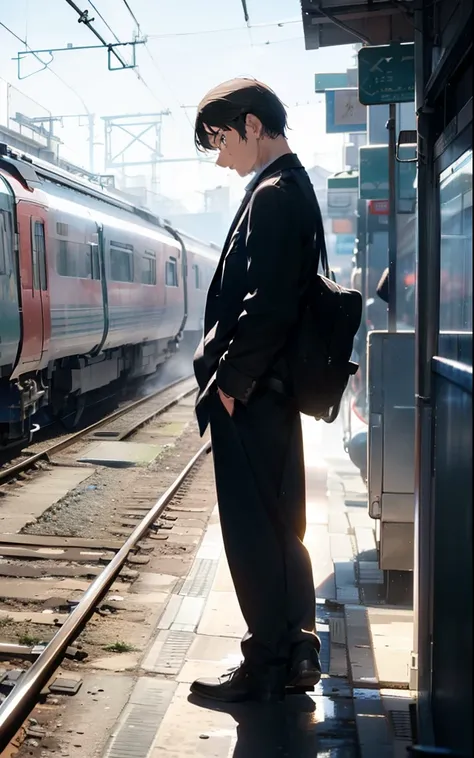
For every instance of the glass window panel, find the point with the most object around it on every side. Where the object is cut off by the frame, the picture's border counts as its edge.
(455, 316)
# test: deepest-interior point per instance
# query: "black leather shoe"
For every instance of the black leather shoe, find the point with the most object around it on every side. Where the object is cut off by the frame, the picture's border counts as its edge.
(242, 684)
(304, 674)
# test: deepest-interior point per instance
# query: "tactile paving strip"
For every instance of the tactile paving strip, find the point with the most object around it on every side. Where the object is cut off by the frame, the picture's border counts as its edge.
(323, 634)
(337, 630)
(141, 719)
(199, 582)
(172, 653)
(401, 726)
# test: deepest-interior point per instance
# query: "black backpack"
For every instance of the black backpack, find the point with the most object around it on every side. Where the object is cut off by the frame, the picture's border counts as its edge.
(321, 346)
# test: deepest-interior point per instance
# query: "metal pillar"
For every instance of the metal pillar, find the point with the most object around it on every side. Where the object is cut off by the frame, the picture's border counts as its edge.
(426, 340)
(91, 119)
(392, 220)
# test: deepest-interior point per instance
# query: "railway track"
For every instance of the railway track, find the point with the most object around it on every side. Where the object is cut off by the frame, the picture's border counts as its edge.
(107, 562)
(117, 426)
(24, 696)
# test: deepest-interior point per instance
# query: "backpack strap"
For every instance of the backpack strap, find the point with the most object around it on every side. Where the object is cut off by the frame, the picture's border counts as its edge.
(319, 241)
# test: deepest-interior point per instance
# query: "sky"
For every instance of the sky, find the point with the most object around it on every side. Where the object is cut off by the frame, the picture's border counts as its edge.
(190, 46)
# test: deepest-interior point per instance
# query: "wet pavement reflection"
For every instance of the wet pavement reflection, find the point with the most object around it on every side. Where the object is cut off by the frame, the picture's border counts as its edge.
(316, 726)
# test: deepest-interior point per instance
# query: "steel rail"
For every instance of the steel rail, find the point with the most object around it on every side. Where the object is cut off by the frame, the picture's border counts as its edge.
(20, 702)
(58, 446)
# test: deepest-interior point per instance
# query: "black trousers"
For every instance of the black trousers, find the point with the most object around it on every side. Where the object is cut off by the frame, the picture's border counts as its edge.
(259, 468)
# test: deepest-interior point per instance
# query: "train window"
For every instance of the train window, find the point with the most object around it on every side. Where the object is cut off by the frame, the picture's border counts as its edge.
(197, 277)
(94, 260)
(78, 260)
(64, 262)
(171, 272)
(456, 247)
(121, 262)
(62, 229)
(148, 268)
(38, 254)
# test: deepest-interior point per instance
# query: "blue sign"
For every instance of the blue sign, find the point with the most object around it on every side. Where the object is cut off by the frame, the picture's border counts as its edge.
(345, 244)
(344, 113)
(322, 82)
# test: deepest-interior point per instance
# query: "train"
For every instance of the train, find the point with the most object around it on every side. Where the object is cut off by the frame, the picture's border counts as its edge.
(94, 291)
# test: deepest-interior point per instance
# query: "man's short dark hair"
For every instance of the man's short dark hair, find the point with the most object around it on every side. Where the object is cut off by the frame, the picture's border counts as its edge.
(226, 106)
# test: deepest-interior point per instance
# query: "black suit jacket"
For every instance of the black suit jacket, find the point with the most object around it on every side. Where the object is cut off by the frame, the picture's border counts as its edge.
(253, 299)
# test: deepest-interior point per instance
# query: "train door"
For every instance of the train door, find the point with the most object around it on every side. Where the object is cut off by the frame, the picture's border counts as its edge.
(35, 303)
(99, 271)
(9, 311)
(174, 291)
(40, 279)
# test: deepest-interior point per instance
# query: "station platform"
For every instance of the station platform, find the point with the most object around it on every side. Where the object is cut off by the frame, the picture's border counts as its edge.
(361, 706)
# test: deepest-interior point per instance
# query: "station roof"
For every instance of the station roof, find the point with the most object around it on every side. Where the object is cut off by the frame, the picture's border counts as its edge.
(345, 22)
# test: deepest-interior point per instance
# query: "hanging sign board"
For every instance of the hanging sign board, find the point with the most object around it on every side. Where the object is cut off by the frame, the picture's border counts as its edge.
(387, 74)
(342, 194)
(344, 112)
(344, 225)
(345, 244)
(322, 82)
(373, 175)
(378, 207)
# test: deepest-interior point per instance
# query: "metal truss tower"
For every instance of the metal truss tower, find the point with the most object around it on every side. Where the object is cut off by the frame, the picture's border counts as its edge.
(141, 130)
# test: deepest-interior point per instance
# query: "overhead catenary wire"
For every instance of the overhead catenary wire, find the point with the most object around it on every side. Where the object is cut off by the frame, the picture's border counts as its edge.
(154, 63)
(84, 19)
(150, 55)
(96, 10)
(132, 15)
(48, 68)
(204, 32)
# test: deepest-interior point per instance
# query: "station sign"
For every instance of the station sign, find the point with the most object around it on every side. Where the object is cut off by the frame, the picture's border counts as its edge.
(323, 82)
(406, 179)
(342, 194)
(373, 175)
(344, 225)
(377, 216)
(387, 74)
(373, 172)
(345, 244)
(344, 112)
(378, 207)
(351, 156)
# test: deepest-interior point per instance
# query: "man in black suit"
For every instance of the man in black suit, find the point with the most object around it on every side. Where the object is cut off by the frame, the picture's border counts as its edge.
(252, 307)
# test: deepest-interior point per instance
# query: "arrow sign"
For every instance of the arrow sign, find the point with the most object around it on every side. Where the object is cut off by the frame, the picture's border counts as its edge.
(387, 74)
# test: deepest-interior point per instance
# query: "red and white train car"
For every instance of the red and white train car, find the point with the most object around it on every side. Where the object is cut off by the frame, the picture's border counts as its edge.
(94, 290)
